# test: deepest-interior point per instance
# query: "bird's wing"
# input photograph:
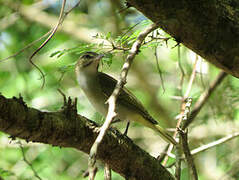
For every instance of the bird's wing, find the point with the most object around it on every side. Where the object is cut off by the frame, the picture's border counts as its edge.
(125, 97)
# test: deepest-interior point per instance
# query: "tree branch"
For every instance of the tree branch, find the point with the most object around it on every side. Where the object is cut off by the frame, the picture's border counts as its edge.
(66, 128)
(209, 28)
(214, 143)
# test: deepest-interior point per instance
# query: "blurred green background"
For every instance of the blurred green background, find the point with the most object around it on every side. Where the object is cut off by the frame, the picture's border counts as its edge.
(93, 26)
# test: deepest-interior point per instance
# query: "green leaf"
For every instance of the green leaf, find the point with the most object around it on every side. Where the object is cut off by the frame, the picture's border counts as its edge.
(5, 173)
(108, 58)
(108, 36)
(67, 68)
(55, 53)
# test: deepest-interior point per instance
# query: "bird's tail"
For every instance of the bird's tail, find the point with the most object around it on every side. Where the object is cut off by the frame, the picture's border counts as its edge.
(153, 124)
(164, 134)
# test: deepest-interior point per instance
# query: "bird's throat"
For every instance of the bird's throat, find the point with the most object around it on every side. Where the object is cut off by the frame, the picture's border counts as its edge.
(87, 80)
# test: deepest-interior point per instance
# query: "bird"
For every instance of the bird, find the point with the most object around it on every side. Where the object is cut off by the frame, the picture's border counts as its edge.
(98, 87)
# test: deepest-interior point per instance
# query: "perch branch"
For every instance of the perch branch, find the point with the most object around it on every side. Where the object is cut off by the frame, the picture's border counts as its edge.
(65, 128)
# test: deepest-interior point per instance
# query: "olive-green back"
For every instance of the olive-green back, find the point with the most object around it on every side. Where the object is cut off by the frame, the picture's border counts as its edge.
(125, 97)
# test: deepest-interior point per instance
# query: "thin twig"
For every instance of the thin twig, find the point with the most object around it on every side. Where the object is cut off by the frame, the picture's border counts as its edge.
(118, 48)
(26, 47)
(112, 100)
(188, 154)
(204, 86)
(215, 143)
(185, 100)
(28, 163)
(192, 77)
(63, 95)
(204, 97)
(32, 43)
(184, 140)
(184, 114)
(180, 87)
(46, 41)
(211, 144)
(107, 172)
(183, 104)
(75, 6)
(158, 68)
(186, 111)
(178, 153)
(130, 28)
(178, 98)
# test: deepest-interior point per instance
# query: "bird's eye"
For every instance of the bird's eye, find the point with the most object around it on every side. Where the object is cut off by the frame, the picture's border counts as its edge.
(87, 56)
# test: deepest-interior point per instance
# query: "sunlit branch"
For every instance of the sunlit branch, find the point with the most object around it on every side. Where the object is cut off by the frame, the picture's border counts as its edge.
(215, 143)
(27, 162)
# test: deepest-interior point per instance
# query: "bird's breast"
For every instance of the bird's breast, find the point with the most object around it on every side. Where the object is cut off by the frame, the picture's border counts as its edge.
(91, 88)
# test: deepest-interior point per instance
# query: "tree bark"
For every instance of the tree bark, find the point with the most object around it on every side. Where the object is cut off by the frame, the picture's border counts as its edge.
(66, 128)
(209, 28)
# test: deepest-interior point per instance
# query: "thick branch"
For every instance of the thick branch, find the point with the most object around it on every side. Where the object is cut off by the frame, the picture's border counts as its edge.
(209, 28)
(67, 129)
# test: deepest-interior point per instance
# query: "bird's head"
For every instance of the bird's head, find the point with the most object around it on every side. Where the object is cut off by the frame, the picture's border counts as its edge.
(88, 62)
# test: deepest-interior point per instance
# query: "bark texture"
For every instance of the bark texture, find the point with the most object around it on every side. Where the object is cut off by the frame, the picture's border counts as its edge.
(68, 129)
(208, 27)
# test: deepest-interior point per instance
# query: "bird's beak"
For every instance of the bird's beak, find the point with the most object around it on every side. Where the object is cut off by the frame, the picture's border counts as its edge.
(99, 57)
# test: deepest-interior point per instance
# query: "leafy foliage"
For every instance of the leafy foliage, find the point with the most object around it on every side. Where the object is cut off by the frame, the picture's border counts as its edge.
(5, 173)
(114, 35)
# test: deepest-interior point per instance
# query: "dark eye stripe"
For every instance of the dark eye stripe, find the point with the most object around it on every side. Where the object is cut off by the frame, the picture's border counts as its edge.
(87, 64)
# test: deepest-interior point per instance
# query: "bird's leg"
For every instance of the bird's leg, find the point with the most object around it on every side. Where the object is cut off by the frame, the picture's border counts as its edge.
(127, 126)
(126, 129)
(115, 121)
